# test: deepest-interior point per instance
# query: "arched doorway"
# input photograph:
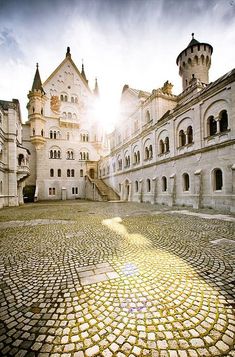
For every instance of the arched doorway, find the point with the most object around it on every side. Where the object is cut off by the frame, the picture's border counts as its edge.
(126, 190)
(92, 173)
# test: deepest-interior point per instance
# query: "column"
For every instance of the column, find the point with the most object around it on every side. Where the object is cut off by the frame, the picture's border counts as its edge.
(197, 189)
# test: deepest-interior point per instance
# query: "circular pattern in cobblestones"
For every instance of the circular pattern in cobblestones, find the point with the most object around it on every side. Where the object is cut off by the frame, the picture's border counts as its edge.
(127, 281)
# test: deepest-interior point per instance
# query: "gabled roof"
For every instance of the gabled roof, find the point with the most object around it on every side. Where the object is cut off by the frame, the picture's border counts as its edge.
(68, 59)
(136, 92)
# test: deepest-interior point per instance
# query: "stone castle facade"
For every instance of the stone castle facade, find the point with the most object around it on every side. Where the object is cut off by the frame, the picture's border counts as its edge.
(167, 149)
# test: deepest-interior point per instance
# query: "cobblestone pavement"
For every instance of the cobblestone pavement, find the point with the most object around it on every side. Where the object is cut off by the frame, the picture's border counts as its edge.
(115, 279)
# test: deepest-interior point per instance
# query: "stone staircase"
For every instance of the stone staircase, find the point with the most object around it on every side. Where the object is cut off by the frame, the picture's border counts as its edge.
(107, 193)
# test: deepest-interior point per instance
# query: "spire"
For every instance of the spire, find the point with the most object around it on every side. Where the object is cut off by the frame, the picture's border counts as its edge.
(96, 90)
(193, 41)
(83, 72)
(68, 54)
(37, 84)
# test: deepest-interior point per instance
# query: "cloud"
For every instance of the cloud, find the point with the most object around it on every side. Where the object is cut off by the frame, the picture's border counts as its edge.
(9, 47)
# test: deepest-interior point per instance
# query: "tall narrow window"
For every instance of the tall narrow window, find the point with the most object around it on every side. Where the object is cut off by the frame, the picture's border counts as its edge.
(53, 190)
(182, 138)
(148, 185)
(190, 134)
(51, 173)
(185, 182)
(167, 147)
(59, 172)
(72, 173)
(218, 179)
(212, 126)
(136, 186)
(164, 184)
(223, 120)
(161, 147)
(68, 173)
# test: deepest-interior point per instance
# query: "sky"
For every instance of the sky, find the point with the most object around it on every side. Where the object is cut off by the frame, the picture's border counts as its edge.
(134, 42)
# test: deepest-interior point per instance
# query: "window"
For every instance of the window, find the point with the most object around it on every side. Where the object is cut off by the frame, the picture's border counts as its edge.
(59, 173)
(51, 191)
(185, 182)
(190, 134)
(61, 97)
(150, 151)
(72, 173)
(161, 146)
(164, 184)
(182, 138)
(51, 154)
(136, 186)
(147, 116)
(70, 155)
(54, 134)
(67, 136)
(148, 185)
(81, 173)
(212, 127)
(76, 190)
(218, 179)
(73, 190)
(68, 173)
(84, 155)
(223, 121)
(167, 144)
(51, 172)
(55, 154)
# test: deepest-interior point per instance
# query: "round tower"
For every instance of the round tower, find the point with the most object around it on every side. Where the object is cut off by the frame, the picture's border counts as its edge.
(35, 111)
(194, 62)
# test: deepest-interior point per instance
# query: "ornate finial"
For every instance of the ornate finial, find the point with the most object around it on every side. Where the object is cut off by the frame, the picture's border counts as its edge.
(193, 35)
(68, 52)
(37, 65)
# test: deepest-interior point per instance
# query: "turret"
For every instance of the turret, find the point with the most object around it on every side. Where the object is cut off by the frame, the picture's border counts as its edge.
(96, 90)
(35, 111)
(194, 62)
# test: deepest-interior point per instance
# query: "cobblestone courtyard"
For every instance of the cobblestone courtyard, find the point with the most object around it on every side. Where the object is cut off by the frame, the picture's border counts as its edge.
(115, 279)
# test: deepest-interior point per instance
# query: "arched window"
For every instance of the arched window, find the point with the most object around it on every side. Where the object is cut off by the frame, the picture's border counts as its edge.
(182, 138)
(72, 99)
(58, 154)
(218, 179)
(148, 185)
(51, 134)
(161, 147)
(147, 116)
(81, 173)
(65, 98)
(212, 127)
(164, 184)
(61, 97)
(223, 123)
(138, 157)
(87, 155)
(135, 158)
(72, 173)
(42, 132)
(51, 154)
(190, 134)
(136, 186)
(51, 173)
(146, 153)
(69, 115)
(150, 151)
(54, 134)
(55, 154)
(167, 147)
(185, 182)
(59, 172)
(68, 173)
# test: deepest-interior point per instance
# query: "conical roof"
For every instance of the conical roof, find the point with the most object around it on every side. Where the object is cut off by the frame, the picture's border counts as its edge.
(37, 83)
(192, 43)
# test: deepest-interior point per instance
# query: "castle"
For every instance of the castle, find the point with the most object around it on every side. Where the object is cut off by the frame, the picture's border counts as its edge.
(166, 149)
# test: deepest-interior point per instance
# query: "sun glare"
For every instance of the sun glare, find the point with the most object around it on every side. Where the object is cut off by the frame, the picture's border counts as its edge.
(106, 113)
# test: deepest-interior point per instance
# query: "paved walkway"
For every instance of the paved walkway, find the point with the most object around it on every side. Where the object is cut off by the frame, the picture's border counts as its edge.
(116, 279)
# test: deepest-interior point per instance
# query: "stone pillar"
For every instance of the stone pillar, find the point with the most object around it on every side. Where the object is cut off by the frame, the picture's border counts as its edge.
(130, 192)
(217, 125)
(233, 190)
(198, 189)
(121, 193)
(141, 191)
(172, 189)
(154, 190)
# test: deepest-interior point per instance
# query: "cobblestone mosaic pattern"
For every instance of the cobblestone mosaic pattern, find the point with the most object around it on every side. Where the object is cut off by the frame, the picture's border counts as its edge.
(115, 279)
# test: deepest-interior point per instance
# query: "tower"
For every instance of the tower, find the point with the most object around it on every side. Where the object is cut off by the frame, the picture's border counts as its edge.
(35, 111)
(194, 62)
